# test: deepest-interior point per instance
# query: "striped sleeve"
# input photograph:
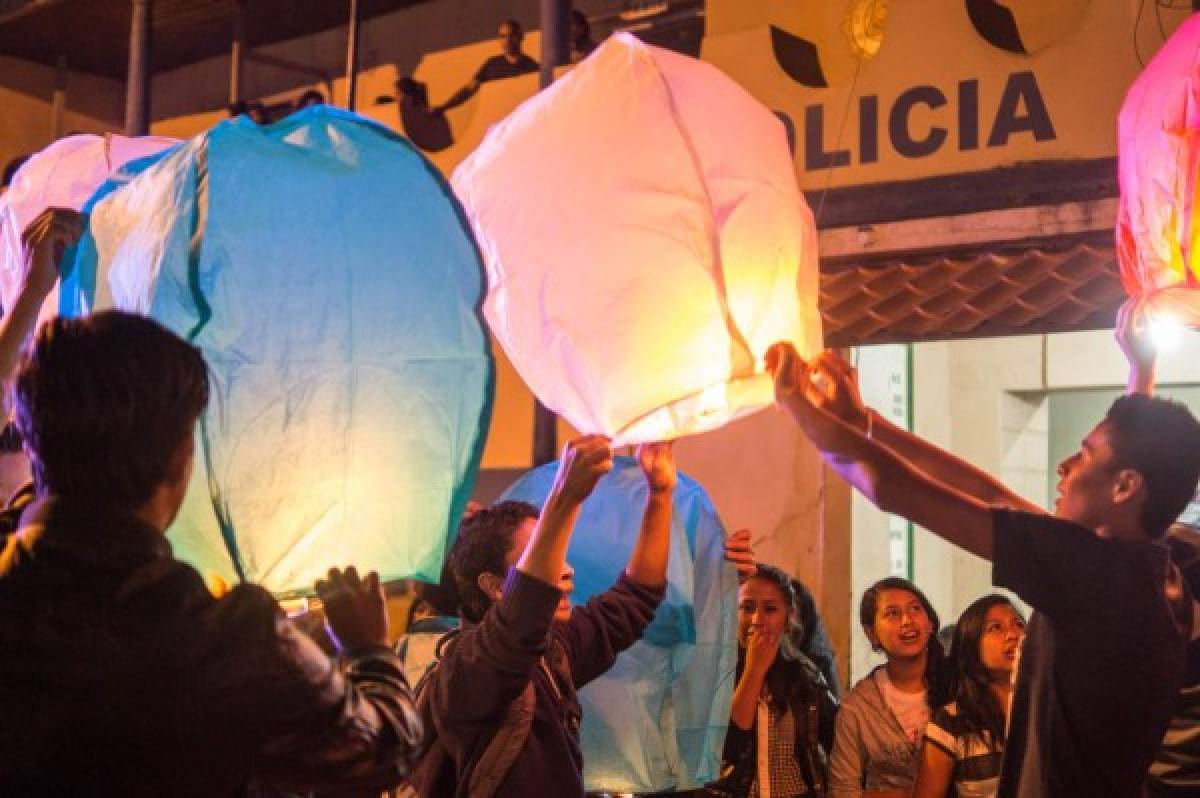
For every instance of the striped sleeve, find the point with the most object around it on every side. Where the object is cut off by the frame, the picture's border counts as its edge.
(944, 731)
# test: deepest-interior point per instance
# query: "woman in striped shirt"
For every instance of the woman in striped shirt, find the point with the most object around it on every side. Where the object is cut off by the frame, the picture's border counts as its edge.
(964, 741)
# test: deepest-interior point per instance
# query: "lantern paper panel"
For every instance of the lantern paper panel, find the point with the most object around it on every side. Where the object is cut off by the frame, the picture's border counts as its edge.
(1158, 224)
(326, 272)
(656, 721)
(646, 243)
(63, 175)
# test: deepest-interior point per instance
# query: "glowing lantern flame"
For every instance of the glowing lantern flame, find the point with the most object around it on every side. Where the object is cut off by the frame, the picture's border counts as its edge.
(645, 242)
(64, 175)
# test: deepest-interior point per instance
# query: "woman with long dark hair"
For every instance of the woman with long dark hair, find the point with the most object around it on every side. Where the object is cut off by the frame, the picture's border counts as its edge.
(964, 741)
(781, 724)
(883, 719)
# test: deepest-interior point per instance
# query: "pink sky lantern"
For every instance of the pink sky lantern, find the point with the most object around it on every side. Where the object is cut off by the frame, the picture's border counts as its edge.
(1158, 226)
(646, 243)
(64, 175)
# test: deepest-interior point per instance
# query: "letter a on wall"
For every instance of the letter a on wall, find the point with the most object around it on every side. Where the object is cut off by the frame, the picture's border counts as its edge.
(1158, 226)
(645, 242)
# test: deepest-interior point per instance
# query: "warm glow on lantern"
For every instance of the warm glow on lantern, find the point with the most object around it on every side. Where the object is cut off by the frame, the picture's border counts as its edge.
(1158, 225)
(322, 267)
(637, 294)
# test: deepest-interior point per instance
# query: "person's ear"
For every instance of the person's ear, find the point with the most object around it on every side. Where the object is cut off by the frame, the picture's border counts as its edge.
(1128, 486)
(179, 467)
(491, 585)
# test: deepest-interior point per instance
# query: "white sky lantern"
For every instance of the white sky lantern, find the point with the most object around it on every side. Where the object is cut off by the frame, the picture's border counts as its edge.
(1158, 227)
(64, 175)
(646, 243)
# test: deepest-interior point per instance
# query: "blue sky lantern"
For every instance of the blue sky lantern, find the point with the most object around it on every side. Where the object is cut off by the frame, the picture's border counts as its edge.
(656, 721)
(325, 270)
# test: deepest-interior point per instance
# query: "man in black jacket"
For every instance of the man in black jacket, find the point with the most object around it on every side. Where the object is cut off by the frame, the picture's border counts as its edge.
(119, 673)
(511, 675)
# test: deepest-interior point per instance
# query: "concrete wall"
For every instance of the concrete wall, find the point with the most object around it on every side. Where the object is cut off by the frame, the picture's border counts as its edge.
(390, 44)
(91, 105)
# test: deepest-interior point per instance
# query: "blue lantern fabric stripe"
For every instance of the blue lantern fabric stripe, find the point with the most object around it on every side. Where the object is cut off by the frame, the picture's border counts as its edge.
(656, 721)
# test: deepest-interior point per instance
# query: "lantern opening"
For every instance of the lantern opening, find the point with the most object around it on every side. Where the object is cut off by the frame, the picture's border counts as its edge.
(703, 410)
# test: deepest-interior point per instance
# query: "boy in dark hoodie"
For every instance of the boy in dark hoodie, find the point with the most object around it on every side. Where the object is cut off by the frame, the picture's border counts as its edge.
(502, 697)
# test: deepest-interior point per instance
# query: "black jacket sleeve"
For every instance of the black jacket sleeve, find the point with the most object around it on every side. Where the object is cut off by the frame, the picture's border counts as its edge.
(606, 625)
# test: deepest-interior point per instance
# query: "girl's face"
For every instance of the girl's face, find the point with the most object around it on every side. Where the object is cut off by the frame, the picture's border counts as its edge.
(761, 606)
(902, 627)
(1003, 628)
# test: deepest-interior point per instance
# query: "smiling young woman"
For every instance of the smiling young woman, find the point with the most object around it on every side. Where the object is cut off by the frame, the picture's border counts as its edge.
(882, 722)
(964, 741)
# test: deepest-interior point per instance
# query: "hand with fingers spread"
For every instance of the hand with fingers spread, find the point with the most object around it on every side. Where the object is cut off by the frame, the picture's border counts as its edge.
(1134, 339)
(355, 609)
(584, 461)
(46, 240)
(658, 465)
(739, 552)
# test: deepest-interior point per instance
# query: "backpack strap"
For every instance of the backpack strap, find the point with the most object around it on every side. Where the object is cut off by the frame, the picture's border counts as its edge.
(504, 747)
(498, 755)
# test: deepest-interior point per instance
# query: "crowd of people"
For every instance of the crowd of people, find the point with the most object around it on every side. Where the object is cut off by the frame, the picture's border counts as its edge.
(124, 675)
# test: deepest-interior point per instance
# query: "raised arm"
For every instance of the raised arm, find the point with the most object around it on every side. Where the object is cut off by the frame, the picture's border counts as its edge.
(459, 97)
(612, 621)
(1134, 340)
(888, 480)
(44, 241)
(842, 398)
(648, 561)
(583, 462)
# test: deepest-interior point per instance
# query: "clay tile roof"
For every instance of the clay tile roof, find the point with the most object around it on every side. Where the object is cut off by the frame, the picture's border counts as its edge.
(1056, 285)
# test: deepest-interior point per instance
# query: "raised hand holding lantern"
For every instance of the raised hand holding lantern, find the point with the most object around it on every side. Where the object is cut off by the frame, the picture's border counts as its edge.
(63, 175)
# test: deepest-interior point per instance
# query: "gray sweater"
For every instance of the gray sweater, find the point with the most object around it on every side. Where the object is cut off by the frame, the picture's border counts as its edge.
(870, 749)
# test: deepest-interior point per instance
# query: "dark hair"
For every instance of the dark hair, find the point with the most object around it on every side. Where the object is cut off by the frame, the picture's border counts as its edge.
(1160, 439)
(784, 677)
(513, 25)
(783, 583)
(310, 97)
(11, 168)
(970, 681)
(104, 403)
(441, 597)
(935, 660)
(484, 541)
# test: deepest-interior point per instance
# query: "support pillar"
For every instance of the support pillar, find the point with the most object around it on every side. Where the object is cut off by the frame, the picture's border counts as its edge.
(556, 31)
(137, 80)
(237, 54)
(352, 57)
